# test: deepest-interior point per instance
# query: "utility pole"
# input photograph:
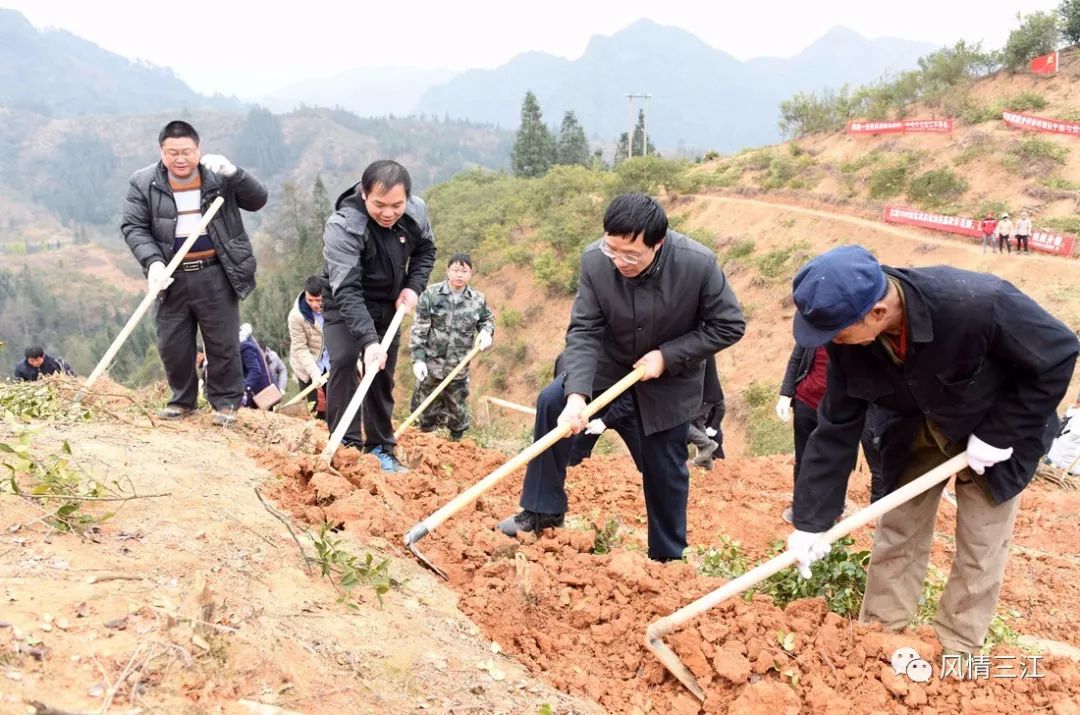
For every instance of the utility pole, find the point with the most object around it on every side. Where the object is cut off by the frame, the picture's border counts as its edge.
(630, 97)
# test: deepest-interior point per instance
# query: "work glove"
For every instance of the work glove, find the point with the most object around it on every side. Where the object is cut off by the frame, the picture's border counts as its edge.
(783, 408)
(218, 164)
(710, 432)
(596, 426)
(420, 370)
(155, 277)
(982, 455)
(808, 547)
(483, 340)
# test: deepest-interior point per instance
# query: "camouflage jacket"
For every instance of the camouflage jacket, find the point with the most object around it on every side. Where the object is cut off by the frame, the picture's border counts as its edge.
(444, 331)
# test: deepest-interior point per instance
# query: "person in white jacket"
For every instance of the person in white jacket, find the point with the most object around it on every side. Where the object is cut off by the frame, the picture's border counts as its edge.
(1065, 451)
(1004, 233)
(1023, 232)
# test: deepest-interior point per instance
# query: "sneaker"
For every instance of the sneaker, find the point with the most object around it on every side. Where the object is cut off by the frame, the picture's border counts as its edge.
(387, 461)
(456, 435)
(704, 456)
(788, 515)
(224, 418)
(526, 521)
(173, 412)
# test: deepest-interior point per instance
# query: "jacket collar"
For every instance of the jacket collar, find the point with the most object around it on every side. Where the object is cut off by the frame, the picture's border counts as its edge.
(444, 288)
(210, 182)
(920, 324)
(305, 309)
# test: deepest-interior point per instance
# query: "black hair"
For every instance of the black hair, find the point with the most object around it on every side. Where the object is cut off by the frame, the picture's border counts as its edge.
(460, 258)
(631, 215)
(177, 129)
(314, 285)
(386, 173)
(35, 351)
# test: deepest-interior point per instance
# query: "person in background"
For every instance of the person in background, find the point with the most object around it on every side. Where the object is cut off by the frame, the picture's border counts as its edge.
(256, 372)
(1004, 233)
(279, 374)
(708, 419)
(308, 355)
(37, 363)
(1023, 232)
(989, 230)
(451, 318)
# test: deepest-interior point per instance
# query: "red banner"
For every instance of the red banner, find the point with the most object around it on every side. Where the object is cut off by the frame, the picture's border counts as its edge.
(1047, 64)
(1058, 244)
(1041, 124)
(906, 126)
(936, 222)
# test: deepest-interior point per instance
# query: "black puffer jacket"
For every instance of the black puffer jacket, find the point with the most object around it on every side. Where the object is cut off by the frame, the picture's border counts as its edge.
(149, 222)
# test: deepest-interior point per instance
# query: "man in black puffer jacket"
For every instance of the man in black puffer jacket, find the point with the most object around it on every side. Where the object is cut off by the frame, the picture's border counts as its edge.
(165, 203)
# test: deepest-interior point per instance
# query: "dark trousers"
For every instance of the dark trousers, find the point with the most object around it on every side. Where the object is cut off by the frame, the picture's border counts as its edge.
(202, 300)
(1004, 241)
(378, 405)
(581, 447)
(312, 398)
(1021, 243)
(660, 457)
(805, 422)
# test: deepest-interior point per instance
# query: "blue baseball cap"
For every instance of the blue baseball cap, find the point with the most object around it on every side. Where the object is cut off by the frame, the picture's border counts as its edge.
(833, 291)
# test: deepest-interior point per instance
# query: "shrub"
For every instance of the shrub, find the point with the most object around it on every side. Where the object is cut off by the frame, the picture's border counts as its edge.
(936, 188)
(1035, 148)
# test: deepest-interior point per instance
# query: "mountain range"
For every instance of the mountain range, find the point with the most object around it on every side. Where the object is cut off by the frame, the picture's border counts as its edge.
(702, 98)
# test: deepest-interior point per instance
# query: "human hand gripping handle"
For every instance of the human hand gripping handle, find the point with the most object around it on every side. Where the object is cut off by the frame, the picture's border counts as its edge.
(807, 547)
(595, 426)
(981, 455)
(483, 340)
(157, 279)
(653, 362)
(571, 414)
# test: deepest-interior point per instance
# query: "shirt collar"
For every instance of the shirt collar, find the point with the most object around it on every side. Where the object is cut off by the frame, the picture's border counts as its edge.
(917, 314)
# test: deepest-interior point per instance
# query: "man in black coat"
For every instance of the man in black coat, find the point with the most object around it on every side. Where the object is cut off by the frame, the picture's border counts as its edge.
(379, 250)
(37, 364)
(165, 202)
(648, 297)
(961, 361)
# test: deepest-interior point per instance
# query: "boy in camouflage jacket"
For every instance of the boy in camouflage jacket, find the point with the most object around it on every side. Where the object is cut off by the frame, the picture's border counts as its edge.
(451, 317)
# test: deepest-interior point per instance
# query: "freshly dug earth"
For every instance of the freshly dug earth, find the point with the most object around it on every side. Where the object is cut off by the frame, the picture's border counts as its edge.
(578, 618)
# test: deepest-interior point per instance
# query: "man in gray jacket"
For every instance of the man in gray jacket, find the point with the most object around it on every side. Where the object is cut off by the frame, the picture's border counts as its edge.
(379, 251)
(651, 297)
(165, 202)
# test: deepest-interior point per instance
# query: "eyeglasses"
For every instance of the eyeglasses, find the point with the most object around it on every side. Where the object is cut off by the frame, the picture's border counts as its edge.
(627, 258)
(461, 271)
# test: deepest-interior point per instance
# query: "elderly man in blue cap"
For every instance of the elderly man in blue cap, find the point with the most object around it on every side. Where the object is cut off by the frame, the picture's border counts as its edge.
(963, 361)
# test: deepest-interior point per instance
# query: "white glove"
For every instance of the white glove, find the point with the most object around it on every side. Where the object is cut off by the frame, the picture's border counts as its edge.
(483, 340)
(982, 455)
(783, 408)
(420, 370)
(710, 432)
(155, 277)
(807, 547)
(218, 164)
(596, 426)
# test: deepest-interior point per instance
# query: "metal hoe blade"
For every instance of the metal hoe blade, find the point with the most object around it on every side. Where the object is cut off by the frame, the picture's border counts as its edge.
(654, 642)
(415, 534)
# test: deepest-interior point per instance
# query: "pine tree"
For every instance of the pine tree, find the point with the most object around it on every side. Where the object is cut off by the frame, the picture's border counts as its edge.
(534, 149)
(573, 147)
(639, 139)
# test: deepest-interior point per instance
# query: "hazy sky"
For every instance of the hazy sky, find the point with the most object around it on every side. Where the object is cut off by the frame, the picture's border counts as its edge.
(248, 48)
